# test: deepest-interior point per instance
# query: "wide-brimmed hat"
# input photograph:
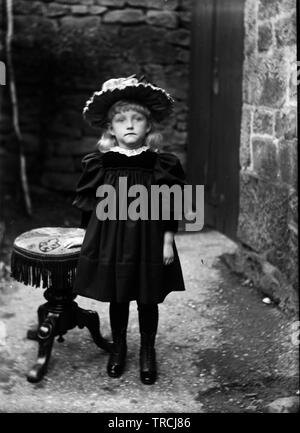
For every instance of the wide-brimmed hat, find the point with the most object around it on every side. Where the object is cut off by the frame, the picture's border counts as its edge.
(130, 88)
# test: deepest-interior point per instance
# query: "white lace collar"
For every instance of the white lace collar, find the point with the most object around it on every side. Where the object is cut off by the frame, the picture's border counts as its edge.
(129, 152)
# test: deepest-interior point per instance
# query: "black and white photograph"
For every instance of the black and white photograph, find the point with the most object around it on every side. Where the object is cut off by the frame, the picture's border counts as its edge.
(149, 210)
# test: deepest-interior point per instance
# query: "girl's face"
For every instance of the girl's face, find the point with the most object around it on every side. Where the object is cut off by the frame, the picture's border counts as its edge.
(129, 128)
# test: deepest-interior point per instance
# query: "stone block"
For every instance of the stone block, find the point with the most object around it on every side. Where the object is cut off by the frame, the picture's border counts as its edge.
(181, 126)
(155, 4)
(181, 37)
(166, 19)
(274, 90)
(287, 161)
(185, 19)
(286, 123)
(286, 6)
(57, 10)
(245, 157)
(250, 28)
(265, 37)
(97, 10)
(267, 9)
(79, 9)
(186, 5)
(263, 122)
(74, 2)
(111, 3)
(179, 138)
(294, 77)
(264, 158)
(265, 81)
(125, 16)
(79, 23)
(138, 3)
(285, 31)
(181, 116)
(183, 56)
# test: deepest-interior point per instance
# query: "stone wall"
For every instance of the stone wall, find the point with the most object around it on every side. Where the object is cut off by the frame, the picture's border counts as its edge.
(268, 158)
(63, 51)
(2, 40)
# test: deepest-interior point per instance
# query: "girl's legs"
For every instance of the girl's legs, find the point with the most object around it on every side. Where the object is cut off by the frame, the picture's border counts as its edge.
(148, 321)
(118, 314)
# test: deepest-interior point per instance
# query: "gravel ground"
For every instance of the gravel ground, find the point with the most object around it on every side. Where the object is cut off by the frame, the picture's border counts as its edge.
(219, 348)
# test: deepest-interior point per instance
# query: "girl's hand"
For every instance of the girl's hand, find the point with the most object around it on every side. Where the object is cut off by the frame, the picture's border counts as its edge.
(168, 253)
(74, 242)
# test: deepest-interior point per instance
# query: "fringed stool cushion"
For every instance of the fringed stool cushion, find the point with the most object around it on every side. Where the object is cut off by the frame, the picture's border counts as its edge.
(39, 256)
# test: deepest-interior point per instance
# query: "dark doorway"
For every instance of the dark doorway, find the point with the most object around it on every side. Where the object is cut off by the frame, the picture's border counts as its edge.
(215, 108)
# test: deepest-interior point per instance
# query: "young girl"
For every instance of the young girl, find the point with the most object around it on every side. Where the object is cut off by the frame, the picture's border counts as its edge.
(123, 260)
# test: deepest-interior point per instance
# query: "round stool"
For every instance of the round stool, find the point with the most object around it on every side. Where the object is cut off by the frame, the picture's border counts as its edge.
(40, 258)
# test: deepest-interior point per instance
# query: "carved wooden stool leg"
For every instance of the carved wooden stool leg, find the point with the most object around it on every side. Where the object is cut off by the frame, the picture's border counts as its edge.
(32, 333)
(45, 337)
(91, 320)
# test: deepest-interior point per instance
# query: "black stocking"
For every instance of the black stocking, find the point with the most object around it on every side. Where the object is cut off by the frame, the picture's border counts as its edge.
(118, 314)
(148, 320)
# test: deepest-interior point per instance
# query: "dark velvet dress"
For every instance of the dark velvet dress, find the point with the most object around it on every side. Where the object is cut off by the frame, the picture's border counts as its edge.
(122, 260)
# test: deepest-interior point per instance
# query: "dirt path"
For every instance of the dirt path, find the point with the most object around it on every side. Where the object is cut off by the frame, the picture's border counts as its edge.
(219, 348)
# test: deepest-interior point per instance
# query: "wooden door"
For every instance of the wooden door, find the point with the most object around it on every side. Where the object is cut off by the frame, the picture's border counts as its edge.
(215, 108)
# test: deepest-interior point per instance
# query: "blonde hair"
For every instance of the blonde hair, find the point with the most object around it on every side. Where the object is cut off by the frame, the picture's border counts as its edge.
(153, 139)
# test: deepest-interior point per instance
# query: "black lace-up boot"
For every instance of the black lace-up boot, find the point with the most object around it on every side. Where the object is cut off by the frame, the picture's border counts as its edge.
(148, 321)
(118, 313)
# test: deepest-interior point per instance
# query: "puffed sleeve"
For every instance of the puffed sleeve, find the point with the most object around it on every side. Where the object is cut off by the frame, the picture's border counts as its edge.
(168, 171)
(90, 179)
